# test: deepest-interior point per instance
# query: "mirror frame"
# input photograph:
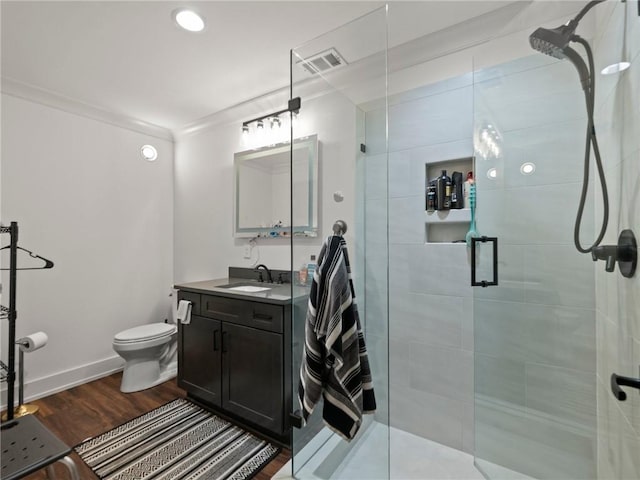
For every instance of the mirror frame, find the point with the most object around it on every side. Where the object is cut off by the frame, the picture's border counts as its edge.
(310, 143)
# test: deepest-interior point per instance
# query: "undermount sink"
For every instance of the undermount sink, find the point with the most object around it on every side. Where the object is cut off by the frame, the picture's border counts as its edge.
(248, 288)
(252, 287)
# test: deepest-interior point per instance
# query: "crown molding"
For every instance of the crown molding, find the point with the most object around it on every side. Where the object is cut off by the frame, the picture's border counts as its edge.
(236, 113)
(31, 93)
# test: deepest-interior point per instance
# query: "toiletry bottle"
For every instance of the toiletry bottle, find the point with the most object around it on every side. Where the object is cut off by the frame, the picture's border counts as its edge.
(311, 268)
(466, 189)
(443, 191)
(456, 190)
(302, 274)
(431, 196)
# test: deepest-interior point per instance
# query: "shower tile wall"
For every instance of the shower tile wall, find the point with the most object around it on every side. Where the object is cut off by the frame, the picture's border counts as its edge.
(617, 298)
(430, 300)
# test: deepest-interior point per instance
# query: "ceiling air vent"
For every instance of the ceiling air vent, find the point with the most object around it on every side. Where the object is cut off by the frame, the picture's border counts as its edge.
(321, 62)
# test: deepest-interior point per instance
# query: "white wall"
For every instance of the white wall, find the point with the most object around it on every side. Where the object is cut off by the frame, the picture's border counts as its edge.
(84, 198)
(617, 299)
(204, 242)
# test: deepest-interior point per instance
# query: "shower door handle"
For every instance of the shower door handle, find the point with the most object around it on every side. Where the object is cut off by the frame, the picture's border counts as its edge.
(617, 380)
(484, 283)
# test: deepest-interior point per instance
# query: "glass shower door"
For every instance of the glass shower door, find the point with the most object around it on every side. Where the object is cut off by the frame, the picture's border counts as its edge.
(334, 75)
(535, 348)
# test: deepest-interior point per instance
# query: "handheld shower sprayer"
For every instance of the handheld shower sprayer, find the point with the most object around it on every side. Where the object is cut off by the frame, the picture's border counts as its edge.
(555, 43)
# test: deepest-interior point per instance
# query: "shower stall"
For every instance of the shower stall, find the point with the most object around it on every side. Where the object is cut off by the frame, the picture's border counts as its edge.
(506, 380)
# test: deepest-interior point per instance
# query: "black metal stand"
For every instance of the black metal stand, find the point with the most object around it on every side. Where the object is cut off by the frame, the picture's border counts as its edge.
(11, 314)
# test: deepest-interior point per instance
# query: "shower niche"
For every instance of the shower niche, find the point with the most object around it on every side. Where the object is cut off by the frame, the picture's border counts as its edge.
(447, 225)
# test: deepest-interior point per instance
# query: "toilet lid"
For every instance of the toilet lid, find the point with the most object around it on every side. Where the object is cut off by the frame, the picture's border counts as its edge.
(145, 332)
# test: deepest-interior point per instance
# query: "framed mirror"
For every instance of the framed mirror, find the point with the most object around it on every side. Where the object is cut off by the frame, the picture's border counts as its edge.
(262, 190)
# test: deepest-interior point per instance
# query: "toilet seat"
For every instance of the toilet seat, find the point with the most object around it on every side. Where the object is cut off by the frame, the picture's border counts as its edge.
(143, 333)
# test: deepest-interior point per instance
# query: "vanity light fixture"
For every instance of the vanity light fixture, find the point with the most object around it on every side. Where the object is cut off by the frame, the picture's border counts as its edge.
(189, 20)
(149, 152)
(615, 68)
(292, 106)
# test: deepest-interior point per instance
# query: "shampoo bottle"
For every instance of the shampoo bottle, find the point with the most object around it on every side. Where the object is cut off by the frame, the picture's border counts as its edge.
(466, 189)
(457, 199)
(443, 191)
(431, 196)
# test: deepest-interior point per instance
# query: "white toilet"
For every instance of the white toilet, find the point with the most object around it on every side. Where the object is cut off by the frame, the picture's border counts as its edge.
(150, 353)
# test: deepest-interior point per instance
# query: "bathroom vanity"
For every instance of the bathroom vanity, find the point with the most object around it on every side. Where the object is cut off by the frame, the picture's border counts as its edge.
(235, 354)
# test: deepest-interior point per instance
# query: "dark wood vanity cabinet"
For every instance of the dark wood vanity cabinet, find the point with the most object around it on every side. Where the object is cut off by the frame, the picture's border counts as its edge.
(252, 379)
(199, 345)
(235, 356)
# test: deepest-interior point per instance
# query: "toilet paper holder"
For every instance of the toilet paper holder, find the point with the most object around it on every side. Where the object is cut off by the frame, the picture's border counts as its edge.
(22, 409)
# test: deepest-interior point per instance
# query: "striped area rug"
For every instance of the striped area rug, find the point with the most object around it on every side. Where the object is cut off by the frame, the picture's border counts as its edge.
(179, 440)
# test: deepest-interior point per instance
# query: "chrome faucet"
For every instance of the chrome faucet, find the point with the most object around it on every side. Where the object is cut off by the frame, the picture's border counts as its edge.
(269, 277)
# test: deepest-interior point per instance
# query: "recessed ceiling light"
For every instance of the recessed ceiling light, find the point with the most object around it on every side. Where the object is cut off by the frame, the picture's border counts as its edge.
(527, 168)
(615, 68)
(189, 20)
(149, 152)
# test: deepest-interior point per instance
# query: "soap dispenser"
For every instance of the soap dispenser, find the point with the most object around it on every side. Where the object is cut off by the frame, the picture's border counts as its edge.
(302, 274)
(311, 268)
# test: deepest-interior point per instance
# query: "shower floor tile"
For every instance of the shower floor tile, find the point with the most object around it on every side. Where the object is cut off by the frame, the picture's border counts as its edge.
(411, 457)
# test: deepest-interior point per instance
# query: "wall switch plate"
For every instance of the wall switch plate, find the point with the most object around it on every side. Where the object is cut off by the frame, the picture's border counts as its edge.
(247, 251)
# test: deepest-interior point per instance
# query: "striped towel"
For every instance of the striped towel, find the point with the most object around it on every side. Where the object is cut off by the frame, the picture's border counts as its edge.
(335, 362)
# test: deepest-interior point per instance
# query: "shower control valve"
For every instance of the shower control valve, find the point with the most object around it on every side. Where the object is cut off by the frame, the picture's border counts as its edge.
(625, 253)
(609, 253)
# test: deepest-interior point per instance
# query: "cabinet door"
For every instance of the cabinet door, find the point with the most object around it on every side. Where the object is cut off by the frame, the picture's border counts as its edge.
(253, 375)
(199, 358)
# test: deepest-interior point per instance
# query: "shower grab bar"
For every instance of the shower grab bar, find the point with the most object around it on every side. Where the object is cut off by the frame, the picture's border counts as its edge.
(617, 380)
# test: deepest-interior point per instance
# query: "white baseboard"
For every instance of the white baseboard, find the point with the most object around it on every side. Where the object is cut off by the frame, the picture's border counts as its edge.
(64, 380)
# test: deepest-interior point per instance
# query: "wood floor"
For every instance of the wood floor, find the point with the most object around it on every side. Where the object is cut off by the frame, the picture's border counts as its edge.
(93, 408)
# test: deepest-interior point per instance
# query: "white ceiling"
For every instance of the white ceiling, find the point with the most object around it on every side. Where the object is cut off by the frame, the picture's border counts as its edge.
(130, 58)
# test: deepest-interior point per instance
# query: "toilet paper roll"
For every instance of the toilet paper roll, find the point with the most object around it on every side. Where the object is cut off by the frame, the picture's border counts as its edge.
(33, 342)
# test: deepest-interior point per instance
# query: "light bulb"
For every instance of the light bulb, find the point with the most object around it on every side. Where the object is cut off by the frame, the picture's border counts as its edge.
(615, 68)
(189, 20)
(149, 152)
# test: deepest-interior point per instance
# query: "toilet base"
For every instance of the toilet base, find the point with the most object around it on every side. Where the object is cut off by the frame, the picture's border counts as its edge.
(141, 374)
